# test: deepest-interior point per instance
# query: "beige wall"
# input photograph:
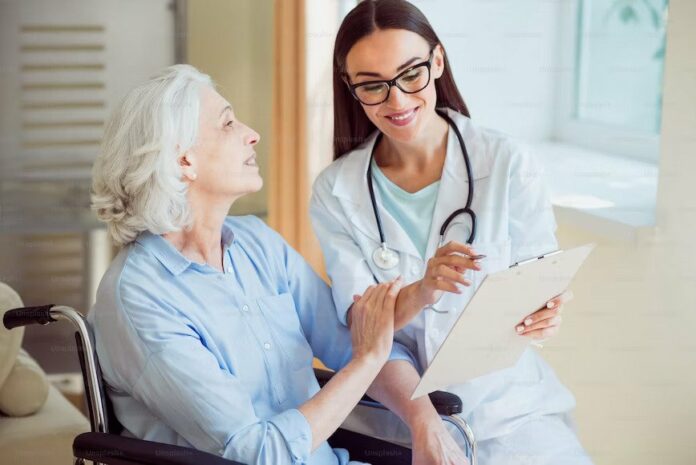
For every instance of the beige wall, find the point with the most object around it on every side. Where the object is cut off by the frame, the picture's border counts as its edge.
(232, 40)
(628, 345)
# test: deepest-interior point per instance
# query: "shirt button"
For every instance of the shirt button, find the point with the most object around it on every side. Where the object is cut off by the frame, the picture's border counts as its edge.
(267, 346)
(414, 269)
(229, 269)
(245, 308)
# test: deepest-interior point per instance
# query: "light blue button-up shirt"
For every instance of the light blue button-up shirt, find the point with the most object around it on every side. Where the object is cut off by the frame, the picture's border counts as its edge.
(219, 361)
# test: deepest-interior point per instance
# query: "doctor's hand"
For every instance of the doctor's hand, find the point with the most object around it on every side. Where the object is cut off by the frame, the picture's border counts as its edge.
(372, 321)
(545, 322)
(432, 444)
(446, 271)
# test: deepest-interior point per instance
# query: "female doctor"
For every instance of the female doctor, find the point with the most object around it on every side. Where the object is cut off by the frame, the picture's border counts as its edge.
(418, 190)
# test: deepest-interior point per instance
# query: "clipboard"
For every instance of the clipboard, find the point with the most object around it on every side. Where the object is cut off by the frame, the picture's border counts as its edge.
(483, 339)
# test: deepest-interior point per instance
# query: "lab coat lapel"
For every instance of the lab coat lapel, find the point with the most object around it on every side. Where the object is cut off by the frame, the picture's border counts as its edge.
(454, 183)
(351, 188)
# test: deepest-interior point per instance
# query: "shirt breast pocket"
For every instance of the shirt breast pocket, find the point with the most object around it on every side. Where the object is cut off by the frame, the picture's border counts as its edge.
(281, 317)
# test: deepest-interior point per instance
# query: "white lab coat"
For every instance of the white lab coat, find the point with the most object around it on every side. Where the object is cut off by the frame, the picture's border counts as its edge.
(514, 221)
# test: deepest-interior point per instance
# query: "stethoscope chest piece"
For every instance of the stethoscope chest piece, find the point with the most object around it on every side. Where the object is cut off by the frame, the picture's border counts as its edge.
(385, 258)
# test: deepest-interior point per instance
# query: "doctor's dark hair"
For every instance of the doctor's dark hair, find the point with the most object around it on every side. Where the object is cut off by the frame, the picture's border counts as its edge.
(351, 125)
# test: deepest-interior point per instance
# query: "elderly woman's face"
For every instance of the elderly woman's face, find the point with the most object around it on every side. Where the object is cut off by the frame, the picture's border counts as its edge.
(223, 157)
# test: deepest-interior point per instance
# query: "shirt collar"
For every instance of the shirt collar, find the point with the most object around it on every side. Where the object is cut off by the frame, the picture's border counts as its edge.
(169, 256)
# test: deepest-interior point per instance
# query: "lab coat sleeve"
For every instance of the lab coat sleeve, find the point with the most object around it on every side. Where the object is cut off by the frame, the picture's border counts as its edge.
(345, 262)
(329, 339)
(181, 382)
(532, 225)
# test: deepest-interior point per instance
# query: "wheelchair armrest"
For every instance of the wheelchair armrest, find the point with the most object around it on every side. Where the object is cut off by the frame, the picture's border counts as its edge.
(111, 449)
(445, 403)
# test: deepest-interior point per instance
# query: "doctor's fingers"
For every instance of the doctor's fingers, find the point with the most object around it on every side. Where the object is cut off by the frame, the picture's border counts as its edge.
(543, 333)
(454, 247)
(437, 284)
(548, 323)
(456, 262)
(445, 272)
(540, 315)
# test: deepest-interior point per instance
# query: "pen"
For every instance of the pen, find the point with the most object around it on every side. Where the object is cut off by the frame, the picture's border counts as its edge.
(536, 258)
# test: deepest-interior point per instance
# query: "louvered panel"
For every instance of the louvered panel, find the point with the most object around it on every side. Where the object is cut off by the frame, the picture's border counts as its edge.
(65, 64)
(45, 157)
(65, 115)
(51, 265)
(52, 204)
(58, 29)
(59, 97)
(59, 67)
(63, 130)
(52, 247)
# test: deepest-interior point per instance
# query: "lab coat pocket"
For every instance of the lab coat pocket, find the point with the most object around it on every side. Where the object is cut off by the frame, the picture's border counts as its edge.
(497, 258)
(281, 318)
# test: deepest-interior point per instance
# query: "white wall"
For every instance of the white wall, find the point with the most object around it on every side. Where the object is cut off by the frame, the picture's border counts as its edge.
(505, 59)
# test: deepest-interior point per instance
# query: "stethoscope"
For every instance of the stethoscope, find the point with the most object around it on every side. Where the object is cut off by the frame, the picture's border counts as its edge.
(387, 258)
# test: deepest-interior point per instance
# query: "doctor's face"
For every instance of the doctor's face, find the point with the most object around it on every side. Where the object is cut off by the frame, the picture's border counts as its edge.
(222, 162)
(383, 55)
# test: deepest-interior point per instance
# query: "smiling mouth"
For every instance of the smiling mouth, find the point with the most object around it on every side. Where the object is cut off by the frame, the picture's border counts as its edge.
(251, 161)
(402, 118)
(402, 115)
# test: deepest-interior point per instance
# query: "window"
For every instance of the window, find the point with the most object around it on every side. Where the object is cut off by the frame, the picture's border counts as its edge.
(615, 102)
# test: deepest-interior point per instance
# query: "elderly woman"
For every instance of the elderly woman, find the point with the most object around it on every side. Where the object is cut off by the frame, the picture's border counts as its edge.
(205, 324)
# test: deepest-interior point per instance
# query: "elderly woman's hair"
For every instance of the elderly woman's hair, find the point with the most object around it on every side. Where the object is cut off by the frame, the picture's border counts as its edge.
(137, 182)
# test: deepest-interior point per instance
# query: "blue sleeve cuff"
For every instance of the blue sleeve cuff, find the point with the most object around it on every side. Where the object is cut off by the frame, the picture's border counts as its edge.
(400, 352)
(294, 427)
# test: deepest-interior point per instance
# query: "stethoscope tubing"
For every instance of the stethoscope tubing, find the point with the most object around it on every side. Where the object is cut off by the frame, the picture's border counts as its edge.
(469, 199)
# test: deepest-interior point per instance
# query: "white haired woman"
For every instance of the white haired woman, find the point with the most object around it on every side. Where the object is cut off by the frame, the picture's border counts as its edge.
(205, 324)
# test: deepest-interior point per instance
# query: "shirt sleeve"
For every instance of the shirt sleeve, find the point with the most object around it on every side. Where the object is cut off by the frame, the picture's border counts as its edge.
(532, 225)
(329, 339)
(181, 383)
(345, 263)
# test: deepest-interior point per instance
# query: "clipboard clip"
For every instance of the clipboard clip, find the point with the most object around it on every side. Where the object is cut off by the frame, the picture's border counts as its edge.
(533, 259)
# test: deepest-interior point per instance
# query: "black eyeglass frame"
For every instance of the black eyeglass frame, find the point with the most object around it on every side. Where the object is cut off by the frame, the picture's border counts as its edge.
(392, 82)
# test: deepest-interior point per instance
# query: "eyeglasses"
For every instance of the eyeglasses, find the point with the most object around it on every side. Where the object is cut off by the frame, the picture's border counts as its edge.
(410, 81)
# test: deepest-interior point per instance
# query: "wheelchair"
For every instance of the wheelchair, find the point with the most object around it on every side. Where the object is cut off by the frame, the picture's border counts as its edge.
(105, 445)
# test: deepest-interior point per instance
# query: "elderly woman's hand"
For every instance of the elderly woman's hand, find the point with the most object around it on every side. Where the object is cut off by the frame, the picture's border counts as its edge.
(545, 322)
(372, 320)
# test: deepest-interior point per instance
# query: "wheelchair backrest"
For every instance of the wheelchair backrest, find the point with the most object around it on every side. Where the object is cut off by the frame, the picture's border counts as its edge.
(112, 425)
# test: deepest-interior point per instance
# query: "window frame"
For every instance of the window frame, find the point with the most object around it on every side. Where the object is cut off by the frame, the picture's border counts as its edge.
(568, 128)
